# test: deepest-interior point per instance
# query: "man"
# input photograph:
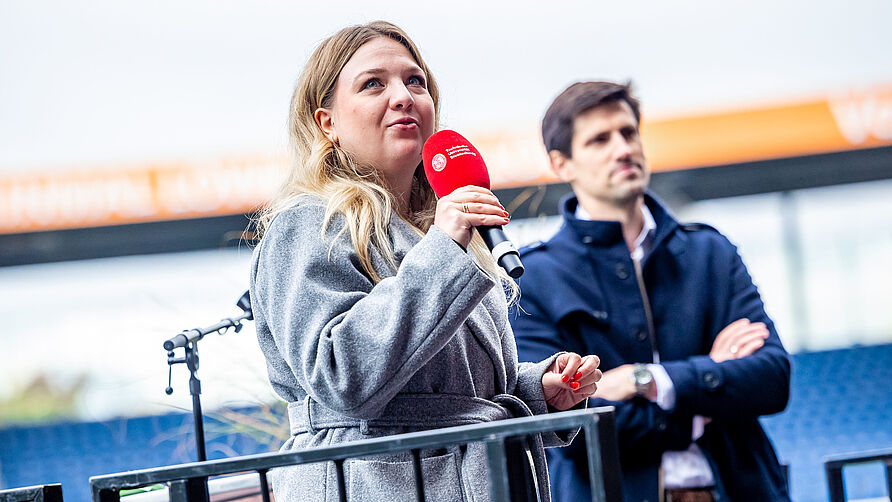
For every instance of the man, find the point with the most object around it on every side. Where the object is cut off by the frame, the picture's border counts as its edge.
(690, 358)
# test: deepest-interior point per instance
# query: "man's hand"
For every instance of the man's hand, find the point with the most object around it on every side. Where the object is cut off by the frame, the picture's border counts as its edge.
(570, 379)
(618, 384)
(738, 339)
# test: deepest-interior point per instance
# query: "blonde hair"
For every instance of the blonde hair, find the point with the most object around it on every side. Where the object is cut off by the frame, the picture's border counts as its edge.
(356, 191)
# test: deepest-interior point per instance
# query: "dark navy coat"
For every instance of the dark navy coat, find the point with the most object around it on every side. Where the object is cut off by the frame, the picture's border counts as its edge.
(580, 293)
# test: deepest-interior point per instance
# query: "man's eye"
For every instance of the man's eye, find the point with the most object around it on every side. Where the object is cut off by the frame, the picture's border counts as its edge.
(416, 80)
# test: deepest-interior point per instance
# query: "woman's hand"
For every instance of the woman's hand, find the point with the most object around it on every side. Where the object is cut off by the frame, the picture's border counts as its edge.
(738, 339)
(570, 380)
(465, 208)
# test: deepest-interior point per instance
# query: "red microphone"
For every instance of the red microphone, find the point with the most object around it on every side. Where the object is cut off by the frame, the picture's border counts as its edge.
(450, 162)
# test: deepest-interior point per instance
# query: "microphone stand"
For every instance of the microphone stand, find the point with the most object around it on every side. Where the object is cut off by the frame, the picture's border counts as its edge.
(188, 339)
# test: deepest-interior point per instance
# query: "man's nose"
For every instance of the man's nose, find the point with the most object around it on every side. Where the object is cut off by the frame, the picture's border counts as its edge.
(623, 147)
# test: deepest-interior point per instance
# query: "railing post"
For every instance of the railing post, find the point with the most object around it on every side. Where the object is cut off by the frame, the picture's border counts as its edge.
(888, 464)
(264, 485)
(419, 480)
(106, 495)
(595, 469)
(835, 483)
(339, 474)
(189, 490)
(38, 493)
(498, 468)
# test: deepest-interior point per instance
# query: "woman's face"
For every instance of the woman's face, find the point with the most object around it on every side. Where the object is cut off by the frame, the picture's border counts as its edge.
(382, 112)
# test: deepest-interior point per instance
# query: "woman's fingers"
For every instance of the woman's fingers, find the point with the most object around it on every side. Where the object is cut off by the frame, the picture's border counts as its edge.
(465, 208)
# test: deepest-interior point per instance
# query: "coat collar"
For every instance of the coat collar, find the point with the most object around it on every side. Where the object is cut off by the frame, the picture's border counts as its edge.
(603, 233)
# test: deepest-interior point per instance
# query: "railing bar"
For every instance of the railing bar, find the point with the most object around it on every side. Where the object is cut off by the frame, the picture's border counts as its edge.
(339, 473)
(264, 485)
(436, 438)
(419, 481)
(498, 468)
(595, 469)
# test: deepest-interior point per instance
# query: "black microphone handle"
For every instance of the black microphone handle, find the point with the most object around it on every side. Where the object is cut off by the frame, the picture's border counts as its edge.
(502, 249)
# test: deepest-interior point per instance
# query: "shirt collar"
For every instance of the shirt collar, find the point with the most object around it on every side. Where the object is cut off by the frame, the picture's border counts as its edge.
(644, 239)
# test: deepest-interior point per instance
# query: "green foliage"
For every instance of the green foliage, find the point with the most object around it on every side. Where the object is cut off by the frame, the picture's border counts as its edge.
(42, 400)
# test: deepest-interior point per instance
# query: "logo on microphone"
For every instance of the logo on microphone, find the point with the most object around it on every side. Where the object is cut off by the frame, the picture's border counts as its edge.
(438, 162)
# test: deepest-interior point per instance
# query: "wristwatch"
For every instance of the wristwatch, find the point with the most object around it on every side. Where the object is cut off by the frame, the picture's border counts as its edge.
(642, 378)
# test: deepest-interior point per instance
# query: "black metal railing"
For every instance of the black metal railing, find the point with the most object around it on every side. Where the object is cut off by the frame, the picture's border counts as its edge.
(39, 493)
(188, 482)
(833, 466)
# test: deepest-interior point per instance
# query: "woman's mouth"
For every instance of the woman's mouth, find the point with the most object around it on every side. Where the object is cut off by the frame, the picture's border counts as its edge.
(406, 123)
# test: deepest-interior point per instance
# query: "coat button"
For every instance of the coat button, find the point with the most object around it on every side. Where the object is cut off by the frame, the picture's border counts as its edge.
(711, 380)
(641, 336)
(621, 271)
(599, 314)
(661, 425)
(588, 239)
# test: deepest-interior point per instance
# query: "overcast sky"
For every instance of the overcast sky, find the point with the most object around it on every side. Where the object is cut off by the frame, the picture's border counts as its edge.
(116, 82)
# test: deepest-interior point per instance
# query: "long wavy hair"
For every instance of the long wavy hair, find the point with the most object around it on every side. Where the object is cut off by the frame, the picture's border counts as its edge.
(357, 191)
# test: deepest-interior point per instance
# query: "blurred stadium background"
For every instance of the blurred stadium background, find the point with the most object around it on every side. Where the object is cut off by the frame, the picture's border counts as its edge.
(135, 138)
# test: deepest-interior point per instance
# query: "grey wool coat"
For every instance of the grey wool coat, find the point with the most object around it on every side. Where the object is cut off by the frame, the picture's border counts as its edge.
(428, 346)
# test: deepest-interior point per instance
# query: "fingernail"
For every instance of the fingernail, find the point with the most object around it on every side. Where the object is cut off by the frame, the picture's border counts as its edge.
(576, 391)
(506, 220)
(565, 378)
(574, 385)
(505, 213)
(578, 375)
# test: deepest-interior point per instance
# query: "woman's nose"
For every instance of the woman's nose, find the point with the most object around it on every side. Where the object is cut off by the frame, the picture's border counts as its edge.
(401, 98)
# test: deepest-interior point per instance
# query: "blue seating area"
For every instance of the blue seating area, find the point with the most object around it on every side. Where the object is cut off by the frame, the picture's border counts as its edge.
(69, 453)
(841, 402)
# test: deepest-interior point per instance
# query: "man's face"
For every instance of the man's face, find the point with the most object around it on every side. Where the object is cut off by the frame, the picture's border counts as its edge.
(607, 162)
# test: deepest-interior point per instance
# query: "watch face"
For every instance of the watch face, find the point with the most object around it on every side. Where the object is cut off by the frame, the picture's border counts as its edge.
(642, 375)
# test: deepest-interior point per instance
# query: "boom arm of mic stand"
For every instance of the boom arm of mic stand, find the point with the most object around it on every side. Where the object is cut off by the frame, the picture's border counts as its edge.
(194, 334)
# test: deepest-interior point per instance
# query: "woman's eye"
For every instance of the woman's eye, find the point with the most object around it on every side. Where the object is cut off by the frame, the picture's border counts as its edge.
(371, 84)
(416, 80)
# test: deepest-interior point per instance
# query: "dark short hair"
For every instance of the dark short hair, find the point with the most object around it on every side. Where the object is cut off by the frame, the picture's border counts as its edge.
(557, 125)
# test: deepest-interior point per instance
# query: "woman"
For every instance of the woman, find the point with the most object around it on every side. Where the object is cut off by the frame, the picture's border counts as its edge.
(373, 318)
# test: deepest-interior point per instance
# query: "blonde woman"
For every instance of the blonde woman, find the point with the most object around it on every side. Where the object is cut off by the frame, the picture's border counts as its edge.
(378, 308)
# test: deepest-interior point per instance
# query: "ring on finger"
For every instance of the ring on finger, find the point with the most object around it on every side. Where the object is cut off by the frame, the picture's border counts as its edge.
(464, 208)
(733, 349)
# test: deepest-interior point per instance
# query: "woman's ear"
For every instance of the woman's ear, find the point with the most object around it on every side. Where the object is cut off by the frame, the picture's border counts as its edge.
(325, 121)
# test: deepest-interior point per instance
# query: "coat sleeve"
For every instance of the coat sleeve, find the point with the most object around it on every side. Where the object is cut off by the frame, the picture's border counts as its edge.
(352, 344)
(744, 388)
(641, 425)
(528, 388)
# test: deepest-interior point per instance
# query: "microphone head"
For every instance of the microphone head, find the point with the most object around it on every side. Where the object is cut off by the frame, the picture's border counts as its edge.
(451, 161)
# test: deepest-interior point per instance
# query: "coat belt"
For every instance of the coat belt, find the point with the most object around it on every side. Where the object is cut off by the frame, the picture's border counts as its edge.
(409, 410)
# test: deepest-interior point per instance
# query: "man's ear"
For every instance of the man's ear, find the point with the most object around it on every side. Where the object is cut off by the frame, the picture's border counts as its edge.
(561, 165)
(325, 121)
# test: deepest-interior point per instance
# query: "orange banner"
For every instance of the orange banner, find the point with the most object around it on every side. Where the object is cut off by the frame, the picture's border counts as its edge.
(96, 197)
(118, 195)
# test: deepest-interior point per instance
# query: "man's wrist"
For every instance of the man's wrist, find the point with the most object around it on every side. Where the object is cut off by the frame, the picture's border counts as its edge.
(643, 380)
